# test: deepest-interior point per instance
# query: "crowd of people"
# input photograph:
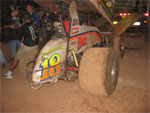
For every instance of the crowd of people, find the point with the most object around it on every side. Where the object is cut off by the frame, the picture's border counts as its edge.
(23, 35)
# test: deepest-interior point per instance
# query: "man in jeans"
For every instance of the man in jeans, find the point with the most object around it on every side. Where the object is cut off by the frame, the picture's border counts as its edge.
(30, 42)
(13, 25)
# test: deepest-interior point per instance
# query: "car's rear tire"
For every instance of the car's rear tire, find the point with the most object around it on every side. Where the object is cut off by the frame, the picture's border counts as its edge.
(134, 43)
(93, 71)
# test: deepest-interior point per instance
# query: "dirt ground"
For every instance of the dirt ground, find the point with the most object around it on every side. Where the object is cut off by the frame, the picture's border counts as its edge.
(131, 94)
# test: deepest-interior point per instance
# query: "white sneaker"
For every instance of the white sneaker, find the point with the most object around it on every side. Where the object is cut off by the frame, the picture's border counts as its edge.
(7, 75)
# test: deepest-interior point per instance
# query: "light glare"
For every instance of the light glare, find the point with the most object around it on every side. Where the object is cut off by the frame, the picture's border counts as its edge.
(137, 23)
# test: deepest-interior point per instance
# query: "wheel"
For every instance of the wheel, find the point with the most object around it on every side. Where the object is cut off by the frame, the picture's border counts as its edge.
(25, 58)
(98, 72)
(92, 71)
(134, 43)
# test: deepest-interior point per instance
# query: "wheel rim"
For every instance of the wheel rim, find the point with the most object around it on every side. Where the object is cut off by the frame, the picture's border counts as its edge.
(122, 50)
(112, 74)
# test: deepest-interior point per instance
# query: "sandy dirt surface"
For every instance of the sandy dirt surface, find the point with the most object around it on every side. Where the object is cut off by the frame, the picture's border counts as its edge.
(131, 95)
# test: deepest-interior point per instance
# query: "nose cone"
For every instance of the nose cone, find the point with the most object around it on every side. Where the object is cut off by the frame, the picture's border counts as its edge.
(36, 75)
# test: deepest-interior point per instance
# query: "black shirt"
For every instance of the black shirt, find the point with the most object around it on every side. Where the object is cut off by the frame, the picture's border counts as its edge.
(13, 33)
(29, 34)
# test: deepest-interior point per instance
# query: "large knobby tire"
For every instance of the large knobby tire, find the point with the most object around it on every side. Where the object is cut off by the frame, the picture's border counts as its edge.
(134, 43)
(93, 72)
(26, 58)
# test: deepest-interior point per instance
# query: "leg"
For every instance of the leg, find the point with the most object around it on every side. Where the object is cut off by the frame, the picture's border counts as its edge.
(2, 59)
(20, 52)
(18, 45)
(13, 48)
(12, 45)
(13, 66)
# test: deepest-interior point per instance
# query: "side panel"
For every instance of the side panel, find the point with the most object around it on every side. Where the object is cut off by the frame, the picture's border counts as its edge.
(52, 54)
(81, 37)
(85, 38)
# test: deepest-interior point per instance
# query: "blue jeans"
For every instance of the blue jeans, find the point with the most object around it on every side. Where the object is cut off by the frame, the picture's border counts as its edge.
(14, 45)
(2, 58)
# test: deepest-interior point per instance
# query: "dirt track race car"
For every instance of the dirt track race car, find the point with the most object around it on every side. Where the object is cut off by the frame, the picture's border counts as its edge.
(77, 54)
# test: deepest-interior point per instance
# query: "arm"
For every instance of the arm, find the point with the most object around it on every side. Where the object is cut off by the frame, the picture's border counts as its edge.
(9, 26)
(37, 19)
(22, 39)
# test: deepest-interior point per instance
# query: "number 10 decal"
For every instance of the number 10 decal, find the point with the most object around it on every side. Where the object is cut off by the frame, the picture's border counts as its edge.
(50, 72)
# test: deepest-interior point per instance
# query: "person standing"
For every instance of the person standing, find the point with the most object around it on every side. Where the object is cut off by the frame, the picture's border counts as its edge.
(13, 25)
(46, 29)
(48, 25)
(35, 18)
(30, 42)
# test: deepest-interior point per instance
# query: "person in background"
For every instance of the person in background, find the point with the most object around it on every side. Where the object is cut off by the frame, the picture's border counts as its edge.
(46, 30)
(13, 25)
(35, 18)
(30, 42)
(48, 25)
